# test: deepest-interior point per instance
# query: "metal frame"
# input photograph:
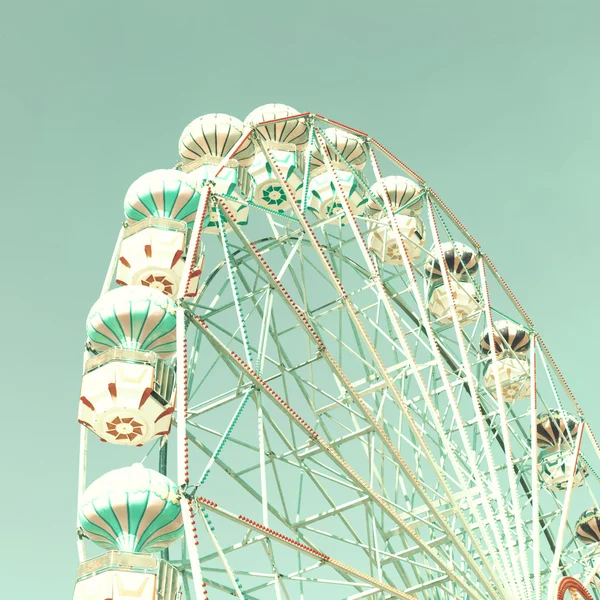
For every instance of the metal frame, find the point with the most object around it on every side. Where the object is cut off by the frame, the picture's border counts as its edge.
(316, 393)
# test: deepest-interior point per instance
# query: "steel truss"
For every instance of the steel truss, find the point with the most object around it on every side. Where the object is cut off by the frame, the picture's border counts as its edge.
(332, 440)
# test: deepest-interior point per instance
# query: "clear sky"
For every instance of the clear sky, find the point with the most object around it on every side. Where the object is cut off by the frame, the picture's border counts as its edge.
(494, 103)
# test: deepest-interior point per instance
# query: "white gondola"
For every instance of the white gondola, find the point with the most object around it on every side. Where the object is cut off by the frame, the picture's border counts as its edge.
(127, 397)
(511, 344)
(124, 575)
(513, 373)
(554, 470)
(464, 295)
(346, 152)
(383, 242)
(405, 196)
(203, 145)
(153, 254)
(461, 265)
(283, 141)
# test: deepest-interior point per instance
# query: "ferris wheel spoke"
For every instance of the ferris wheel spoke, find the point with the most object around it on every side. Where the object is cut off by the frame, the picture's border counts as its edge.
(215, 585)
(332, 454)
(535, 504)
(510, 471)
(283, 520)
(221, 555)
(433, 344)
(315, 476)
(521, 574)
(362, 245)
(276, 476)
(337, 511)
(237, 478)
(312, 472)
(283, 358)
(549, 365)
(287, 576)
(281, 539)
(422, 312)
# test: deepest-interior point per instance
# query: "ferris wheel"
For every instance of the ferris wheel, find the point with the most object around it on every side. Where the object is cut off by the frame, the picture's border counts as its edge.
(314, 384)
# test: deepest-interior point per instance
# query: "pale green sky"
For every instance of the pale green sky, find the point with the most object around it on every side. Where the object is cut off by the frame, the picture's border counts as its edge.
(494, 103)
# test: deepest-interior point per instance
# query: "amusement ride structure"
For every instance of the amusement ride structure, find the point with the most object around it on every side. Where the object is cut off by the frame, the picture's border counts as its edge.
(313, 384)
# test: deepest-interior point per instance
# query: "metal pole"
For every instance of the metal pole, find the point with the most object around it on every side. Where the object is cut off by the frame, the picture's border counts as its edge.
(162, 469)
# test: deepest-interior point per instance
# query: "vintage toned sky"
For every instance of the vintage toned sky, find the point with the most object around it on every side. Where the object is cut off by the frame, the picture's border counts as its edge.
(494, 103)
